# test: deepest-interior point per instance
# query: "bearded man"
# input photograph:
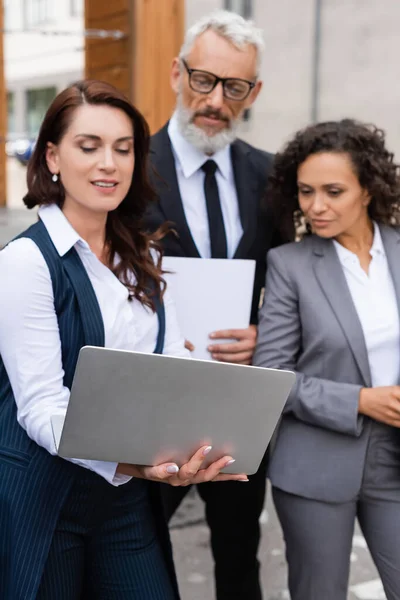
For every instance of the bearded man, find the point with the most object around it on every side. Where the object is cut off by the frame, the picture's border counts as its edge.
(211, 186)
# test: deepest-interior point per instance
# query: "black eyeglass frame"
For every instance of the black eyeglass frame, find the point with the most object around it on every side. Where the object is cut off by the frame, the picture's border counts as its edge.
(223, 80)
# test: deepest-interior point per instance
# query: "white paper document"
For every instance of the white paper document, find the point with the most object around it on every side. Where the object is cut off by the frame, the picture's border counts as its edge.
(210, 294)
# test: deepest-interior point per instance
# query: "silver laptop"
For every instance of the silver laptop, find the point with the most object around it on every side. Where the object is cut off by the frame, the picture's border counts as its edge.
(148, 409)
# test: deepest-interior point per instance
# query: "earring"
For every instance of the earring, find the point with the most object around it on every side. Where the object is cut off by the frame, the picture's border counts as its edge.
(55, 177)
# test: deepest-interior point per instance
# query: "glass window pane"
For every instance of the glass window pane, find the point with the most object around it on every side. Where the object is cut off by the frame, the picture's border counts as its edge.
(76, 8)
(11, 112)
(38, 102)
(242, 7)
(36, 12)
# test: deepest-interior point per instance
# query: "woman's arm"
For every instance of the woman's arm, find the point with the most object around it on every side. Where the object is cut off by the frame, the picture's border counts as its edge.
(30, 347)
(320, 402)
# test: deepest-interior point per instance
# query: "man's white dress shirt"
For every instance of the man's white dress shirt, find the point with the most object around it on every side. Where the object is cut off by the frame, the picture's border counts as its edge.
(376, 305)
(188, 162)
(30, 343)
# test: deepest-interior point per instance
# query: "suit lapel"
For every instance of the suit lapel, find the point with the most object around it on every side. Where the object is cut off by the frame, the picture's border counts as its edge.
(332, 280)
(162, 159)
(391, 243)
(248, 197)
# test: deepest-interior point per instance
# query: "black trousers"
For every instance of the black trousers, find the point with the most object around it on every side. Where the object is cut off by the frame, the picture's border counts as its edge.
(233, 510)
(105, 546)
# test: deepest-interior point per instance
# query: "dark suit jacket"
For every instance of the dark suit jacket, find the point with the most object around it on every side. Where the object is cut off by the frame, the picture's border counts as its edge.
(251, 168)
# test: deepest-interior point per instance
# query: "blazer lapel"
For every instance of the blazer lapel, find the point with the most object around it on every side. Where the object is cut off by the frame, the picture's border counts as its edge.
(391, 243)
(92, 321)
(163, 162)
(332, 280)
(248, 197)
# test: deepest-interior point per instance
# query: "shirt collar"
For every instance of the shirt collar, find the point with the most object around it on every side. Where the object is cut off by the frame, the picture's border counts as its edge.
(377, 248)
(190, 158)
(377, 244)
(60, 230)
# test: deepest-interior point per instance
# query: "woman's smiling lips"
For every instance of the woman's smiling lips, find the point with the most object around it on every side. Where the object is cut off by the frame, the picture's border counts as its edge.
(105, 186)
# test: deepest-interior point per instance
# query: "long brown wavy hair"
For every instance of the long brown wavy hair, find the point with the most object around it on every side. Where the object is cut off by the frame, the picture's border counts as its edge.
(125, 234)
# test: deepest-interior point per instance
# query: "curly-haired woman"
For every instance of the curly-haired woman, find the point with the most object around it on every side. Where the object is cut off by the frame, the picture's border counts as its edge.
(331, 313)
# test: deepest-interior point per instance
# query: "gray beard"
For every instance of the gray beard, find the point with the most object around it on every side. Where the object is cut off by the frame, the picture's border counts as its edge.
(208, 144)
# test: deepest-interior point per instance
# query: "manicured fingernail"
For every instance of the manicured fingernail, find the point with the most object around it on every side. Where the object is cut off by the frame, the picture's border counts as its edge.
(230, 462)
(172, 469)
(212, 335)
(207, 450)
(242, 480)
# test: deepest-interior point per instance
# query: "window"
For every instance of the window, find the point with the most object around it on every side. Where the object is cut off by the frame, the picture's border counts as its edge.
(38, 102)
(8, 16)
(76, 8)
(242, 7)
(36, 12)
(11, 125)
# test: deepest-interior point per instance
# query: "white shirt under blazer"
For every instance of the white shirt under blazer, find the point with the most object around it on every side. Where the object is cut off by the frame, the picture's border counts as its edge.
(30, 343)
(188, 162)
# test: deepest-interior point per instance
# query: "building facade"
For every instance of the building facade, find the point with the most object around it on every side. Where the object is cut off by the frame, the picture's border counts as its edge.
(44, 52)
(324, 59)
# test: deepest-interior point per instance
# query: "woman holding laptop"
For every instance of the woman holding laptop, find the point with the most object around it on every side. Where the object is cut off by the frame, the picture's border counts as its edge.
(84, 274)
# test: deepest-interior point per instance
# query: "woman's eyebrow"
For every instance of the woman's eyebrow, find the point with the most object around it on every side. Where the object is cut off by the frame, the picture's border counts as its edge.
(90, 136)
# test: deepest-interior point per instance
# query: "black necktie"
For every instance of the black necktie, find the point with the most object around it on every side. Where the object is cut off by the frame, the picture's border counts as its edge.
(215, 218)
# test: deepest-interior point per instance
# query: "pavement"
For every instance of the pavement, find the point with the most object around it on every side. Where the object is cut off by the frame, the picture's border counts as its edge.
(189, 532)
(190, 540)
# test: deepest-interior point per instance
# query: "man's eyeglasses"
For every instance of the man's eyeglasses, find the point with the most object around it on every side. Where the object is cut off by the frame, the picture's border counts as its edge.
(204, 82)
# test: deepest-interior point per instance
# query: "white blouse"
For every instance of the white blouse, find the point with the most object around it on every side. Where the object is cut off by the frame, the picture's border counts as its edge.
(375, 301)
(30, 343)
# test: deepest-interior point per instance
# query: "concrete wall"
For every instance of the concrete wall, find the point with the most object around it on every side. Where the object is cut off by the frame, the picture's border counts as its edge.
(360, 63)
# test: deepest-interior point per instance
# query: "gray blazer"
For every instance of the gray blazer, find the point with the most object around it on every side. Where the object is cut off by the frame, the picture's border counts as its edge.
(308, 323)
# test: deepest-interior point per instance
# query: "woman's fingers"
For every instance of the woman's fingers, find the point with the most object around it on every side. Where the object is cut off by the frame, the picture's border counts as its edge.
(227, 477)
(192, 471)
(189, 346)
(213, 471)
(162, 472)
(189, 470)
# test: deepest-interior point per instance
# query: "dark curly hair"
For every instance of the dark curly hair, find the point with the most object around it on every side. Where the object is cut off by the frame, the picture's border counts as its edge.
(373, 163)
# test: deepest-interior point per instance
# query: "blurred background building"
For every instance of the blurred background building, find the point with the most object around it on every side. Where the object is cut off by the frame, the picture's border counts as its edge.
(44, 53)
(324, 59)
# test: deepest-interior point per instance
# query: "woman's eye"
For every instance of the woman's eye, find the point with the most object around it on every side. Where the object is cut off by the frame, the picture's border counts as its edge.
(87, 150)
(123, 151)
(335, 192)
(304, 192)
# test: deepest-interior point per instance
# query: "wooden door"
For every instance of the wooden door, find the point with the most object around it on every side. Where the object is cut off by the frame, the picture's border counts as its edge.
(139, 63)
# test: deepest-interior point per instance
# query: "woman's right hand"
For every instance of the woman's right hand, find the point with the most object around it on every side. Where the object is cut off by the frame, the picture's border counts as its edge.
(381, 404)
(189, 473)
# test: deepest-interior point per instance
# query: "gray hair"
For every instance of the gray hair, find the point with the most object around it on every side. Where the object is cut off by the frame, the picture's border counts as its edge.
(231, 26)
